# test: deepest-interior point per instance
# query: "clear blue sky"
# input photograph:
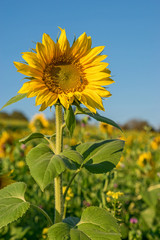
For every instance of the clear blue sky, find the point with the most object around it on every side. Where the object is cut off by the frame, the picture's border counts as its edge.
(130, 30)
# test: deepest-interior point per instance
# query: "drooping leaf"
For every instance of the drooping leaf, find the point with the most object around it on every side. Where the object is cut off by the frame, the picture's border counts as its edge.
(97, 116)
(12, 203)
(102, 156)
(70, 120)
(31, 137)
(14, 99)
(44, 165)
(95, 224)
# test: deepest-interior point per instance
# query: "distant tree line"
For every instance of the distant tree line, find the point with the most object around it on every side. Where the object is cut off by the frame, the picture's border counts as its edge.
(14, 115)
(134, 124)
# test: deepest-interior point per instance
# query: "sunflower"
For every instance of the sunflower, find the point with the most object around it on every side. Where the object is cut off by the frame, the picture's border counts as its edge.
(6, 179)
(58, 72)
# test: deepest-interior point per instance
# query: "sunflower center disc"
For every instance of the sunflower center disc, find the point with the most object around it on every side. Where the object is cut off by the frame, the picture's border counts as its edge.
(62, 78)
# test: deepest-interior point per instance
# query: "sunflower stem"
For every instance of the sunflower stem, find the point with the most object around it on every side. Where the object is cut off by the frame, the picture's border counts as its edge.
(58, 180)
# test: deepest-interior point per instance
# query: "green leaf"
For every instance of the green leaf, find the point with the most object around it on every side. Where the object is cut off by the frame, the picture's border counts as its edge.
(148, 216)
(73, 156)
(102, 156)
(17, 98)
(12, 203)
(59, 231)
(151, 196)
(72, 221)
(31, 137)
(95, 224)
(44, 165)
(70, 120)
(96, 116)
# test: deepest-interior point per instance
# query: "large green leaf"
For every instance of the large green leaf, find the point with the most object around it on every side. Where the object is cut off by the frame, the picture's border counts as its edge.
(31, 137)
(102, 156)
(12, 203)
(44, 165)
(14, 99)
(70, 120)
(97, 117)
(95, 224)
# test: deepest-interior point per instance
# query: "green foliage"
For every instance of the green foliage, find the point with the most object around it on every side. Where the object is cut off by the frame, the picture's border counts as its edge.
(73, 156)
(14, 99)
(151, 195)
(44, 165)
(139, 184)
(102, 156)
(95, 224)
(12, 203)
(32, 136)
(96, 116)
(70, 120)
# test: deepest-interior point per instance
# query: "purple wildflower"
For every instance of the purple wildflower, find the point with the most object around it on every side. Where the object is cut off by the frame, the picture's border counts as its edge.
(133, 220)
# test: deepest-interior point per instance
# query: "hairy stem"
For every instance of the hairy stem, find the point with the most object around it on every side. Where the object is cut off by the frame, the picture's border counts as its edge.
(58, 180)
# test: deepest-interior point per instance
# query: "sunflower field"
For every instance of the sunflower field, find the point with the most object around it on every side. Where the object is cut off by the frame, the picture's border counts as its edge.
(130, 192)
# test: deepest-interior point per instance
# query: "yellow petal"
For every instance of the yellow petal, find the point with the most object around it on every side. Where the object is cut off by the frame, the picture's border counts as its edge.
(64, 100)
(99, 67)
(43, 107)
(32, 60)
(79, 47)
(27, 70)
(97, 76)
(41, 97)
(41, 53)
(32, 94)
(28, 86)
(63, 42)
(89, 42)
(93, 98)
(102, 82)
(52, 100)
(49, 46)
(92, 53)
(102, 92)
(96, 60)
(88, 104)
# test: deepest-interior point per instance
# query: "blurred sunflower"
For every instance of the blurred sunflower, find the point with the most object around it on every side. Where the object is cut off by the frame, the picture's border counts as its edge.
(38, 122)
(6, 179)
(5, 139)
(106, 128)
(60, 72)
(144, 158)
(155, 143)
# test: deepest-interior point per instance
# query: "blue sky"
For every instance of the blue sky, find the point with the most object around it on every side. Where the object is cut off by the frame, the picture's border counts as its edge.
(130, 30)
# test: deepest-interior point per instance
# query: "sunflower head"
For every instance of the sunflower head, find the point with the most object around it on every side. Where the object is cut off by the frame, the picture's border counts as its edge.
(64, 73)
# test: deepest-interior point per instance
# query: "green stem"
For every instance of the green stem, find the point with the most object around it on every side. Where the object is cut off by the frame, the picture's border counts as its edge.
(70, 182)
(50, 144)
(114, 207)
(58, 180)
(50, 223)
